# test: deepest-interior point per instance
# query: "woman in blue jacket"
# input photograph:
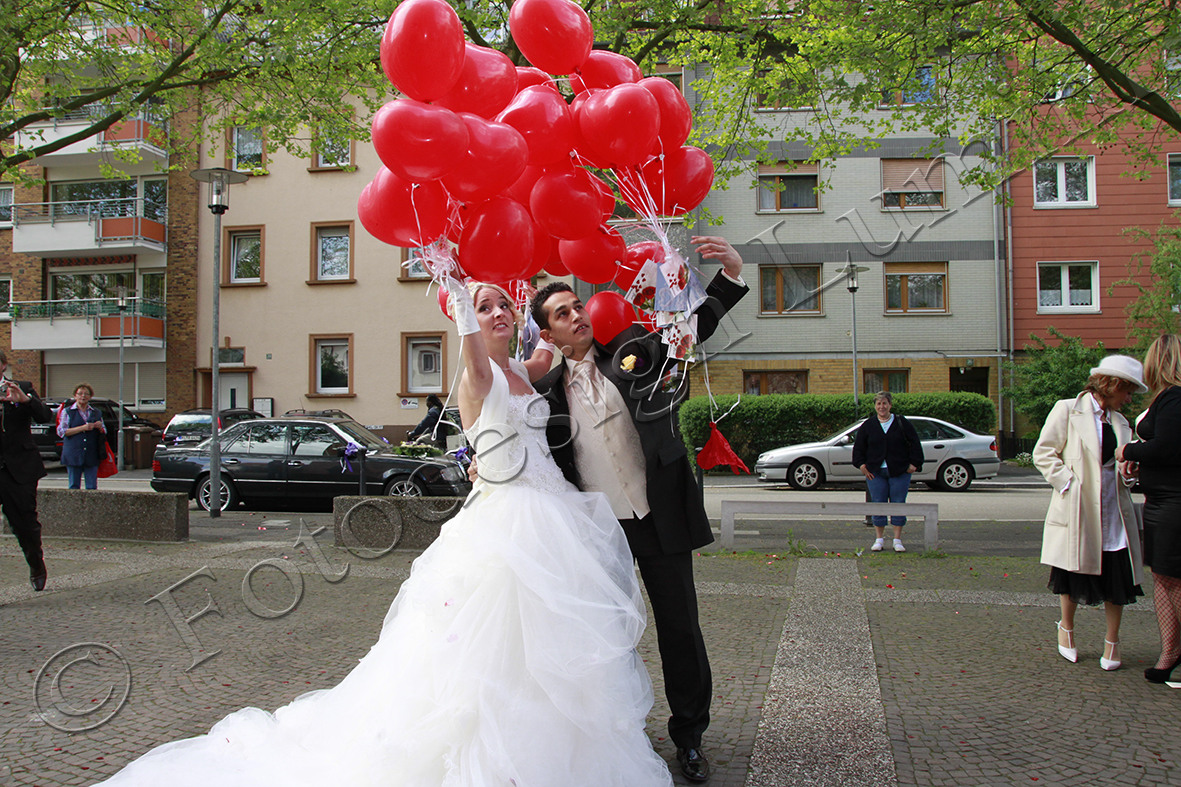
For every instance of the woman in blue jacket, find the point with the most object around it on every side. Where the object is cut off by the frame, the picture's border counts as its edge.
(82, 448)
(887, 450)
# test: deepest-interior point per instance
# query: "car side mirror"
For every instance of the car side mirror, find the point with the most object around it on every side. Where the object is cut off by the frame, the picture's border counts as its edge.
(849, 439)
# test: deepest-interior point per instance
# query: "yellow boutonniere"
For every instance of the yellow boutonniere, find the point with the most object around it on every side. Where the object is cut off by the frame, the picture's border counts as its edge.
(629, 363)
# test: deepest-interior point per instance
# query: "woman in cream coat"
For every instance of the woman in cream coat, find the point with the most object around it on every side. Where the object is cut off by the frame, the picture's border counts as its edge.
(1091, 538)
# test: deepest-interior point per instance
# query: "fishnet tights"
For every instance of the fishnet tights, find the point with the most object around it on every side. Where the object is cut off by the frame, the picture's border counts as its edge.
(1166, 595)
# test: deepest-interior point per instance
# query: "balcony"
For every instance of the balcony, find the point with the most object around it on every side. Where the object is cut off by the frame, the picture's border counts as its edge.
(146, 133)
(89, 228)
(85, 324)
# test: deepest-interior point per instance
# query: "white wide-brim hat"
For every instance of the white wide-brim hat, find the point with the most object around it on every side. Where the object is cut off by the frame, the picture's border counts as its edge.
(1124, 367)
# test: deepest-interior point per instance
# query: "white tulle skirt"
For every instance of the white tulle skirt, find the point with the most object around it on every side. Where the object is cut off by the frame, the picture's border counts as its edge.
(507, 658)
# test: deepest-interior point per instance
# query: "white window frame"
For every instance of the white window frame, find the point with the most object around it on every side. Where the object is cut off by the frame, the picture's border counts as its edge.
(322, 162)
(262, 152)
(6, 305)
(11, 192)
(1064, 287)
(334, 231)
(232, 273)
(415, 363)
(319, 347)
(1060, 163)
(1174, 160)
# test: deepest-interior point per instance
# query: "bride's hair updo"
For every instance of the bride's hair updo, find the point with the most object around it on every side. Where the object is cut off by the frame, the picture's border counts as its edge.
(475, 287)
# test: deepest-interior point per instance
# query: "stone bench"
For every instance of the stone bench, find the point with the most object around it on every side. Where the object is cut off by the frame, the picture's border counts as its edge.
(384, 523)
(130, 516)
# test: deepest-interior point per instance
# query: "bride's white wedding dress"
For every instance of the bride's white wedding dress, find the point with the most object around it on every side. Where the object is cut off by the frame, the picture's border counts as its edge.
(507, 658)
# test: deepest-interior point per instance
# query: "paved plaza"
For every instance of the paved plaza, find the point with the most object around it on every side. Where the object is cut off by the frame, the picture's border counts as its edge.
(878, 669)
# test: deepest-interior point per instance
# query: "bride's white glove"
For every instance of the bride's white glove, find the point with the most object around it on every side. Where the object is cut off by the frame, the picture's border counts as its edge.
(463, 309)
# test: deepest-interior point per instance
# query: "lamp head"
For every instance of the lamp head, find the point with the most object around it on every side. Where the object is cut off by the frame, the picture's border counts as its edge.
(219, 180)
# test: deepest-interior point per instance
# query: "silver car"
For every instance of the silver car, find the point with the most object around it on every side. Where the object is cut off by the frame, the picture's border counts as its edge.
(952, 457)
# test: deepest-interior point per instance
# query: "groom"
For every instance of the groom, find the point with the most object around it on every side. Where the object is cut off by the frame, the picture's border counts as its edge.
(641, 464)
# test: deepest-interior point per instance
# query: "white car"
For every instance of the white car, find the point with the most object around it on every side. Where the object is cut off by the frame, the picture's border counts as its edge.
(952, 457)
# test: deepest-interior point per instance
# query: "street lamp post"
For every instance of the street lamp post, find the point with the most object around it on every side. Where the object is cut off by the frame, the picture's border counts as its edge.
(219, 180)
(121, 303)
(851, 272)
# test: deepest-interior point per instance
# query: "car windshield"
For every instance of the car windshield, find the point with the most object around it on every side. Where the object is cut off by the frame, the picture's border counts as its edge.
(361, 435)
(841, 431)
(195, 424)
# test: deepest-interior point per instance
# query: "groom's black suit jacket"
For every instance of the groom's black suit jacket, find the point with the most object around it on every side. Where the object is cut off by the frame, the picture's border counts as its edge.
(677, 513)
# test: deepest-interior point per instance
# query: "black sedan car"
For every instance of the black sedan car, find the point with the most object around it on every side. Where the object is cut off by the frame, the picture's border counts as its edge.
(303, 457)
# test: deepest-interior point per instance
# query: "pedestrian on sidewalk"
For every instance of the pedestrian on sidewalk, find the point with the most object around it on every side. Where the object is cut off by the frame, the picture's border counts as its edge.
(888, 451)
(21, 467)
(82, 448)
(1157, 461)
(1091, 539)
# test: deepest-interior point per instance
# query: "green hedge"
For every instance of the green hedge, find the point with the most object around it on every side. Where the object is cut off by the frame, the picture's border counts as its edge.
(761, 423)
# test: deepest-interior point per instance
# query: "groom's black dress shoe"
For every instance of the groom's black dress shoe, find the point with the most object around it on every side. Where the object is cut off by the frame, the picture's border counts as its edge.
(694, 766)
(38, 581)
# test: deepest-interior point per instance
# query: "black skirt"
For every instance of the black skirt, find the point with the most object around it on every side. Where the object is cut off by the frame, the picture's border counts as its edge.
(1115, 583)
(1162, 532)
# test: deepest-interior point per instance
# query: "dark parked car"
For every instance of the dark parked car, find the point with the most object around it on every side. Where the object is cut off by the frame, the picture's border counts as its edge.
(302, 457)
(50, 445)
(193, 426)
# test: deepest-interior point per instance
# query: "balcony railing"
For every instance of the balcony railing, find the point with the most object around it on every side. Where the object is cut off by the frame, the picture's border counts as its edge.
(132, 220)
(87, 307)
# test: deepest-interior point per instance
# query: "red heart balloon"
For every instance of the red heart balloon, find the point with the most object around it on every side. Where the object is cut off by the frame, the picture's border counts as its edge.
(542, 117)
(676, 119)
(527, 76)
(497, 241)
(422, 49)
(605, 69)
(620, 124)
(594, 258)
(417, 141)
(402, 213)
(486, 85)
(680, 181)
(495, 157)
(523, 186)
(610, 315)
(606, 198)
(554, 35)
(566, 202)
(633, 261)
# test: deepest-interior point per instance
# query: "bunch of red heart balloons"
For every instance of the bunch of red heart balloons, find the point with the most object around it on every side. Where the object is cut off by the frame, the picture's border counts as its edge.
(493, 158)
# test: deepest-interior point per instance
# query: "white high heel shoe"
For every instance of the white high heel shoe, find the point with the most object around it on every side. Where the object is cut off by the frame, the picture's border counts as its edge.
(1071, 653)
(1112, 663)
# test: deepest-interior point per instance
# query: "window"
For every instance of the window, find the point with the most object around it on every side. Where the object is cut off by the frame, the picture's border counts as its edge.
(315, 440)
(756, 383)
(5, 205)
(912, 183)
(1068, 287)
(83, 286)
(246, 149)
(94, 197)
(1174, 179)
(331, 367)
(412, 267)
(152, 286)
(155, 199)
(332, 154)
(263, 440)
(892, 380)
(244, 255)
(783, 94)
(1064, 182)
(5, 298)
(423, 363)
(783, 187)
(231, 356)
(919, 88)
(332, 253)
(790, 289)
(916, 287)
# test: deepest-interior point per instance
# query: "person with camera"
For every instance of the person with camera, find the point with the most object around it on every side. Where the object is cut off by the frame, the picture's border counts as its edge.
(82, 449)
(21, 467)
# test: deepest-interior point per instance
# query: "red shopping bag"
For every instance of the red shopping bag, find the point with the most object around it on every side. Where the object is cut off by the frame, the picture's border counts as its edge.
(108, 466)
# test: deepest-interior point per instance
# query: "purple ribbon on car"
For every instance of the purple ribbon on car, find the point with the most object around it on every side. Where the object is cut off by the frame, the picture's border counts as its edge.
(351, 452)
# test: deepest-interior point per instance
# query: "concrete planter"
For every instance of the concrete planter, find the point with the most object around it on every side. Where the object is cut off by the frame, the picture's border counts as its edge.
(131, 516)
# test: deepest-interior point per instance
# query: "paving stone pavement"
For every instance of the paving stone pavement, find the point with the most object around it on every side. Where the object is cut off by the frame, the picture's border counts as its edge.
(823, 673)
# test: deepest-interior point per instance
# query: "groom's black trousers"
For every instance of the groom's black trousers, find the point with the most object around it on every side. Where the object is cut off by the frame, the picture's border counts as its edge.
(688, 684)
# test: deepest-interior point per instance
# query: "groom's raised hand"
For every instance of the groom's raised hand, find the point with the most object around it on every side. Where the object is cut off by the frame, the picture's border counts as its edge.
(712, 247)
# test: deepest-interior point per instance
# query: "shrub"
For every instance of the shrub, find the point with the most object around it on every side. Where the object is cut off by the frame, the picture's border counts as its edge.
(761, 423)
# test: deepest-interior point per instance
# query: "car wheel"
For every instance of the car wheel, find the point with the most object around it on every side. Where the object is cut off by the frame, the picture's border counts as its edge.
(229, 496)
(805, 474)
(405, 487)
(955, 476)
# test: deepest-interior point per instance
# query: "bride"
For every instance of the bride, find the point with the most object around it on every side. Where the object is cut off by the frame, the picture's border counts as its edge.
(507, 658)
